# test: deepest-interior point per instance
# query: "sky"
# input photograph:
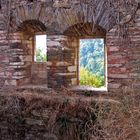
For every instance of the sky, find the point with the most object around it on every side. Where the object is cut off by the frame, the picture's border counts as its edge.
(41, 41)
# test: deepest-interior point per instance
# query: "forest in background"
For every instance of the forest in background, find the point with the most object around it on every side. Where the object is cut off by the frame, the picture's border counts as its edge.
(92, 62)
(41, 48)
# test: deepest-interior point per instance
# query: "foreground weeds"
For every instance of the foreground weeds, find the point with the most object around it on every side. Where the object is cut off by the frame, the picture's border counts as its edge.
(65, 116)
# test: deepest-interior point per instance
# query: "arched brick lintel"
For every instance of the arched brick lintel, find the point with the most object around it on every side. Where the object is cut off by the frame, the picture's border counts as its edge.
(27, 13)
(59, 20)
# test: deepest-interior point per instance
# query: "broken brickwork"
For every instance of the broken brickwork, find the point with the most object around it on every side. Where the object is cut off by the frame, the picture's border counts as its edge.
(62, 25)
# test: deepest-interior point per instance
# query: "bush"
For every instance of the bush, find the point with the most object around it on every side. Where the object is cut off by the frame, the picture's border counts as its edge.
(90, 79)
(40, 57)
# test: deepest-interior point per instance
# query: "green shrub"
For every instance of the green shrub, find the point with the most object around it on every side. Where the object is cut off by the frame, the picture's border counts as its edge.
(40, 57)
(90, 79)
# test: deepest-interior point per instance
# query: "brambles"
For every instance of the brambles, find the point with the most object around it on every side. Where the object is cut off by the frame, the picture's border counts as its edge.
(70, 117)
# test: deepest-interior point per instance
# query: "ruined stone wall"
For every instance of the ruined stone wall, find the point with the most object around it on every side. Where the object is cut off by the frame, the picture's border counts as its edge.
(16, 64)
(4, 58)
(62, 64)
(22, 58)
(124, 58)
(39, 74)
(15, 59)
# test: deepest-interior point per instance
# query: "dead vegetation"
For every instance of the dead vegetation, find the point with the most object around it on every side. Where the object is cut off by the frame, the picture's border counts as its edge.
(69, 117)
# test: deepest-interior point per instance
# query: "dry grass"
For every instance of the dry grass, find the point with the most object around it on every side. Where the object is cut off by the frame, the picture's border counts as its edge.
(66, 116)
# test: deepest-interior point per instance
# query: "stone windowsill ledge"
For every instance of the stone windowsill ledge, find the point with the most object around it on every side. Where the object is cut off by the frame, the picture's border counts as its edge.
(87, 90)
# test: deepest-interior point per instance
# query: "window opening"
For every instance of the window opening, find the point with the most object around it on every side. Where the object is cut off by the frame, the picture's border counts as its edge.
(92, 63)
(40, 48)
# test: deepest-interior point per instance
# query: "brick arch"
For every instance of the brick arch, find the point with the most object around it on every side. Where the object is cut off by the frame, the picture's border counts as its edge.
(102, 16)
(30, 12)
(96, 12)
(31, 26)
(58, 19)
(85, 29)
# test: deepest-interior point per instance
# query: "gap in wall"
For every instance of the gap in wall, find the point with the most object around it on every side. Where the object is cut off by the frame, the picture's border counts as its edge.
(92, 63)
(40, 48)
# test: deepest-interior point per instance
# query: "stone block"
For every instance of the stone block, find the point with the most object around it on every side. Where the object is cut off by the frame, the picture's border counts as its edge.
(4, 59)
(2, 74)
(113, 49)
(53, 43)
(114, 65)
(136, 85)
(49, 63)
(18, 77)
(74, 81)
(42, 74)
(24, 81)
(27, 58)
(134, 75)
(114, 85)
(62, 64)
(118, 76)
(65, 74)
(11, 82)
(19, 73)
(72, 68)
(2, 48)
(16, 63)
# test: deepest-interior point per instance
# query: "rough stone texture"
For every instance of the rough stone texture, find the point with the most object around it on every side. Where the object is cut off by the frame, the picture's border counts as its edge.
(39, 73)
(21, 67)
(62, 55)
(64, 27)
(123, 59)
(52, 17)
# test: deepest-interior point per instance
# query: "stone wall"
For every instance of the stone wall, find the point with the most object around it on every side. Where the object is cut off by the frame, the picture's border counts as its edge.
(62, 64)
(124, 58)
(15, 66)
(21, 58)
(39, 73)
(56, 19)
(4, 57)
(16, 49)
(16, 58)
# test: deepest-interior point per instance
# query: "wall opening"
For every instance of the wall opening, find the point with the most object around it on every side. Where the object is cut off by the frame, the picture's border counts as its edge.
(40, 54)
(86, 37)
(92, 62)
(33, 35)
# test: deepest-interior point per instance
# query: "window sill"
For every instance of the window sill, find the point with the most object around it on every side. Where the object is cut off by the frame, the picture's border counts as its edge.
(89, 91)
(40, 62)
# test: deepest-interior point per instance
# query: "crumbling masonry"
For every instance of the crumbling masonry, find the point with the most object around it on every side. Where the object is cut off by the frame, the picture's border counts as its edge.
(64, 23)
